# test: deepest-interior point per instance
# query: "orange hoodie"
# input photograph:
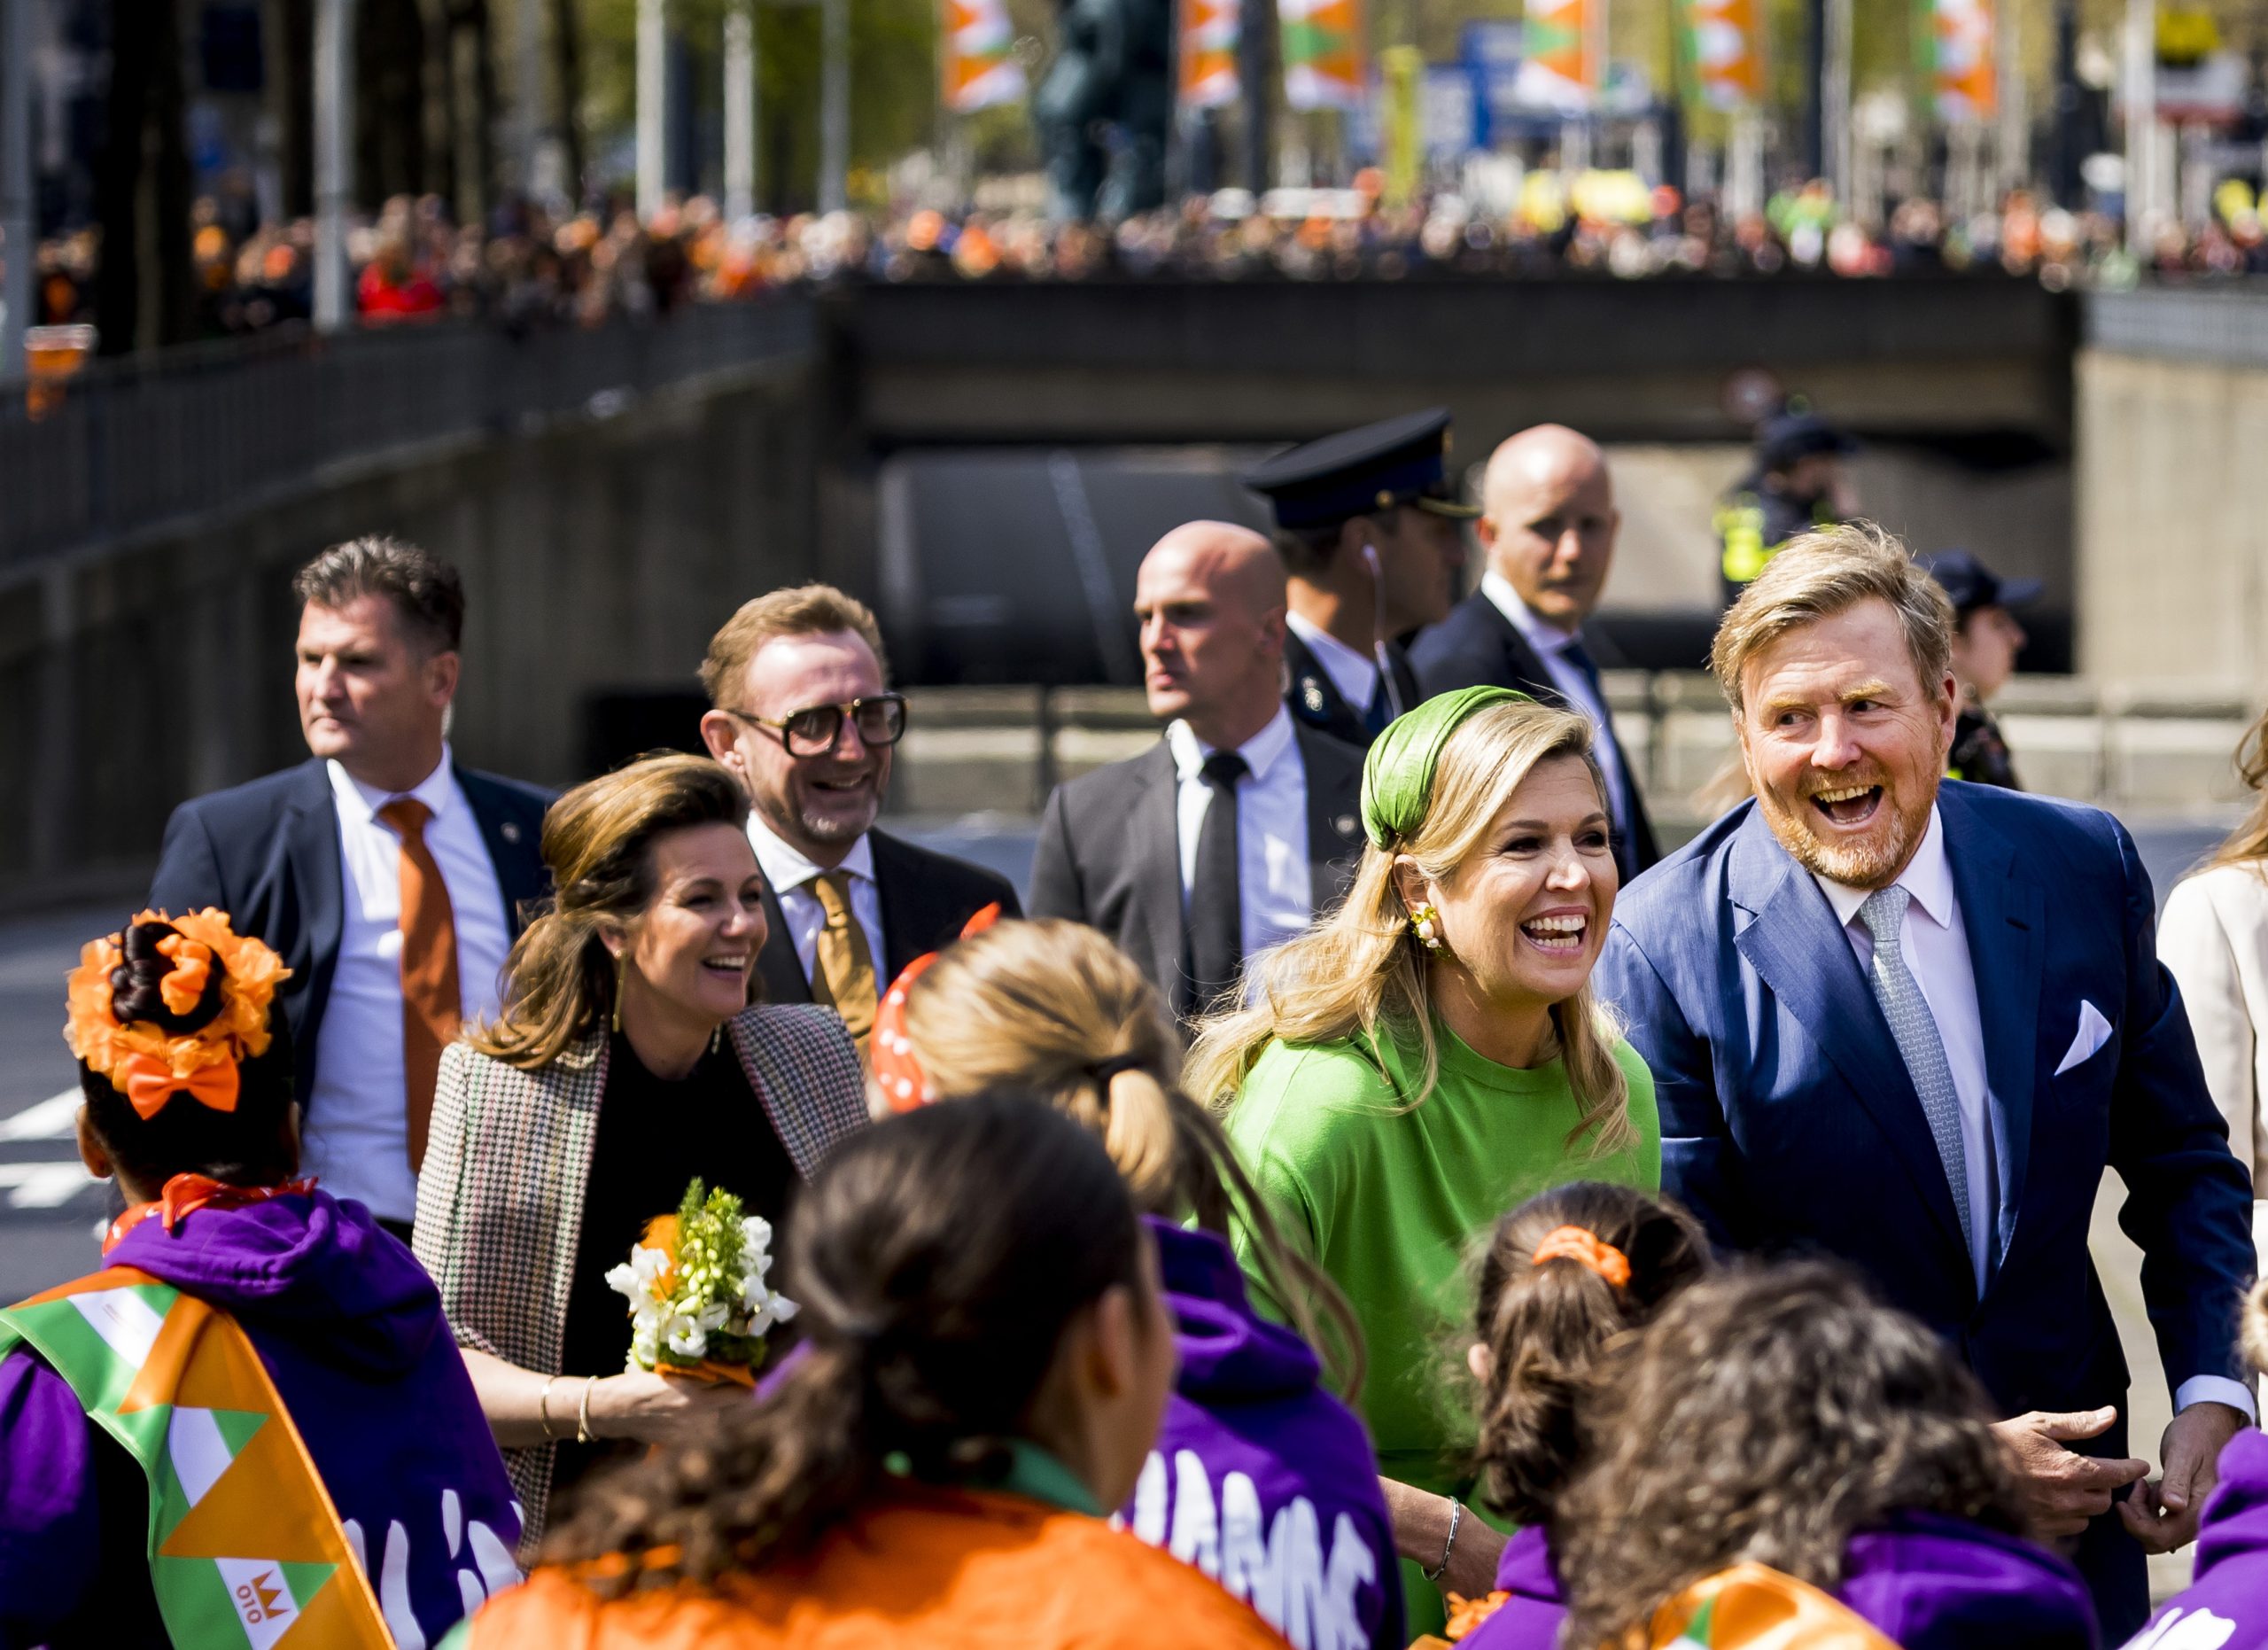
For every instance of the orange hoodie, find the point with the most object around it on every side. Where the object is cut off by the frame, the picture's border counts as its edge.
(932, 1568)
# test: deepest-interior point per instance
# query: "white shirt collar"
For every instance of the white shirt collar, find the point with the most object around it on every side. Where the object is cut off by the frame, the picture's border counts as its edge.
(1355, 675)
(1928, 876)
(362, 802)
(786, 867)
(1270, 745)
(1544, 638)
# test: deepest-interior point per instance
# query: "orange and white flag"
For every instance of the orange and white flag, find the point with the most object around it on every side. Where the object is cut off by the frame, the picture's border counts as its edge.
(1727, 38)
(1210, 30)
(1562, 70)
(979, 53)
(1322, 53)
(1961, 37)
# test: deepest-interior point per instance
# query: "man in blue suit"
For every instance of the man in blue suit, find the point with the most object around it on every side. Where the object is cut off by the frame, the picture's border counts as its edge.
(392, 880)
(1910, 1021)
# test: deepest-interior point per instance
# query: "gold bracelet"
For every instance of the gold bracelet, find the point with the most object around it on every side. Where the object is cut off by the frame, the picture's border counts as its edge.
(583, 1413)
(543, 1406)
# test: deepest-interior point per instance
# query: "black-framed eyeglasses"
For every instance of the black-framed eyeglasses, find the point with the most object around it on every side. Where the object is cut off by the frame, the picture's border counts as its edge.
(814, 730)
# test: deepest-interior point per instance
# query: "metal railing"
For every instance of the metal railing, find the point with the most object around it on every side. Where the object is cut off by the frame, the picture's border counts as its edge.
(130, 444)
(2223, 326)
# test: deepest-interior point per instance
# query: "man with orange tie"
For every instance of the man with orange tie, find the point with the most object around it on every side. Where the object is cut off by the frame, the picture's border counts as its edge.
(390, 880)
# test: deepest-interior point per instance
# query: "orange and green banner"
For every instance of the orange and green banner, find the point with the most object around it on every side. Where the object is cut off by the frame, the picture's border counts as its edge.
(1962, 82)
(1322, 53)
(1210, 30)
(245, 1549)
(1562, 70)
(979, 56)
(1727, 42)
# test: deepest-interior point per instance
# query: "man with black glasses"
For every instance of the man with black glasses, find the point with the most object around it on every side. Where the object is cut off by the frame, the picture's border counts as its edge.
(805, 720)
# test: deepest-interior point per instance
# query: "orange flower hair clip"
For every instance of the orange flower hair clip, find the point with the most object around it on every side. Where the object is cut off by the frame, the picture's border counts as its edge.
(1587, 1250)
(139, 1059)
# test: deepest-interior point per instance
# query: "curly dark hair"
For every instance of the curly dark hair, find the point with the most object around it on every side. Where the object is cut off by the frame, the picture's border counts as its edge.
(250, 1146)
(937, 1258)
(1549, 1328)
(1770, 1413)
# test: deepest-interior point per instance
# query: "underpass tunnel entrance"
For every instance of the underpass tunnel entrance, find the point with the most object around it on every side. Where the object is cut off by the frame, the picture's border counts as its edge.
(1001, 564)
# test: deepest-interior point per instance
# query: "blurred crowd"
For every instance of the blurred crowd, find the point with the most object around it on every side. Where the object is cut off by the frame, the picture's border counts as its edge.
(528, 270)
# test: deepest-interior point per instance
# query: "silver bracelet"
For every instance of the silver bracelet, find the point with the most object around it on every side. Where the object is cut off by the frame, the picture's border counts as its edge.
(1457, 1517)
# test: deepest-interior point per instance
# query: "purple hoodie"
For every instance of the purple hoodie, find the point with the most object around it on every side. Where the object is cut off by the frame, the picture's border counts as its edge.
(1260, 1477)
(351, 1330)
(1927, 1582)
(2227, 1607)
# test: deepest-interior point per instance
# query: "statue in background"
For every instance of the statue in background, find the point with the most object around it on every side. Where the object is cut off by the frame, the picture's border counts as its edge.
(1104, 108)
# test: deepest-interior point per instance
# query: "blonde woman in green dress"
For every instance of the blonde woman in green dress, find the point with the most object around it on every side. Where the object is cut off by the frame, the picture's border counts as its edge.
(1427, 1058)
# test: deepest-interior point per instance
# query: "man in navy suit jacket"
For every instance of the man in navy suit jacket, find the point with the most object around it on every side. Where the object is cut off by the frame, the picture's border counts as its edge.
(316, 861)
(1910, 1022)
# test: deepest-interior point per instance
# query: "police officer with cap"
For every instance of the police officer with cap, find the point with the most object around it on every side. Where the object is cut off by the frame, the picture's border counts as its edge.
(1986, 639)
(1797, 484)
(1372, 537)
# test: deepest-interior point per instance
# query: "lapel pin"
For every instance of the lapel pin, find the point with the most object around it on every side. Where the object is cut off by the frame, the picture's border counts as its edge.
(1311, 694)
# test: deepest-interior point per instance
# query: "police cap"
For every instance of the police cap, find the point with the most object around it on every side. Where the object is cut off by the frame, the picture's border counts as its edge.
(1789, 436)
(1971, 584)
(1398, 461)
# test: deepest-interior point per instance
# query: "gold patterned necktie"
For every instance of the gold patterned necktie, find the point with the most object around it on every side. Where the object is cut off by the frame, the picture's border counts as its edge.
(844, 978)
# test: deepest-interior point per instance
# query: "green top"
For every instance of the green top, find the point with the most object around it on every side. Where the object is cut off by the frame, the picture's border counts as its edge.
(1034, 1472)
(1391, 1202)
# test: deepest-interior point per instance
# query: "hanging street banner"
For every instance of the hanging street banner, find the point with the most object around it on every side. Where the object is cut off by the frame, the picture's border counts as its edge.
(1727, 42)
(1322, 53)
(1210, 32)
(1960, 46)
(1561, 71)
(980, 64)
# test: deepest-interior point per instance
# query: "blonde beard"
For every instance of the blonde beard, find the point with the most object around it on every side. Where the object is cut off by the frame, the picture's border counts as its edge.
(1868, 865)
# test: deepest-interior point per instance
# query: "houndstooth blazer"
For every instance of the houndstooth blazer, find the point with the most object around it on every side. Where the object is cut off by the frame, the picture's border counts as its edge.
(500, 1196)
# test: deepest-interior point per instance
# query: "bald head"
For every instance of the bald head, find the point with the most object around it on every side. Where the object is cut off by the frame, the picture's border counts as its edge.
(1235, 563)
(1548, 519)
(1210, 598)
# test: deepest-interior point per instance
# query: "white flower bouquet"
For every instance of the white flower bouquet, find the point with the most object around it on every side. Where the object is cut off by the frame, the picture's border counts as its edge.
(699, 1303)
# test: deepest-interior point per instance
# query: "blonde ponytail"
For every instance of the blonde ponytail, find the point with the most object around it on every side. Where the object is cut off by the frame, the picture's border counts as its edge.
(1055, 1007)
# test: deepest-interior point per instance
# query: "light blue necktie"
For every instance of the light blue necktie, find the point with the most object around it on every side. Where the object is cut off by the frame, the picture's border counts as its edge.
(1918, 1042)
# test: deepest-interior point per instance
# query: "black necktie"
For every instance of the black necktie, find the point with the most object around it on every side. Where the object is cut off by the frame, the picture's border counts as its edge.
(1215, 924)
(1609, 748)
(1382, 709)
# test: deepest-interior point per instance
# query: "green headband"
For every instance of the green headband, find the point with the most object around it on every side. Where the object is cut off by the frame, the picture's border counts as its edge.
(1398, 773)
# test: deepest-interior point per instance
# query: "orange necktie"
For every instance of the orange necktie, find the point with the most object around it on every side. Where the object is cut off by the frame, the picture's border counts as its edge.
(431, 1010)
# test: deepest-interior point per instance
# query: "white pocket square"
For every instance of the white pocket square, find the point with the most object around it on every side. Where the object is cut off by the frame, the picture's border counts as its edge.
(2095, 1031)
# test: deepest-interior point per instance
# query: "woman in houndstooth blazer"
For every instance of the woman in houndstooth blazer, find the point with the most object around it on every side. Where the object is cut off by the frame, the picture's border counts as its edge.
(625, 1062)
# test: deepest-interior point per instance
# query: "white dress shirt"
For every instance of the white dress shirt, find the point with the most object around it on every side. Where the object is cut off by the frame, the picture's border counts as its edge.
(1936, 947)
(791, 875)
(1273, 882)
(1551, 644)
(1355, 675)
(355, 1138)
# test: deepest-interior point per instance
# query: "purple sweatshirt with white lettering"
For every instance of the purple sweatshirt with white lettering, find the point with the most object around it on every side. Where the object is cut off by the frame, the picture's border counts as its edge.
(1260, 1477)
(351, 1331)
(2226, 1606)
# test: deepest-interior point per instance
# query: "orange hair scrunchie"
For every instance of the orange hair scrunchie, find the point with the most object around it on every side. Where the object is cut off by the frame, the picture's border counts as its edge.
(1586, 1250)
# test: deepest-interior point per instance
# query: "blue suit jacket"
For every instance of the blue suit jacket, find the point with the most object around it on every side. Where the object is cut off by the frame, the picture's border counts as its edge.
(1789, 1121)
(266, 853)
